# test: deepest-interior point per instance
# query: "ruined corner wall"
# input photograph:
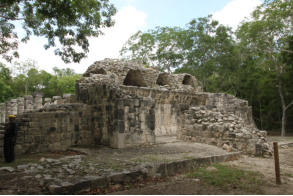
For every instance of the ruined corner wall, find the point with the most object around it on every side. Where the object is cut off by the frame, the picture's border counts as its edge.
(53, 128)
(57, 127)
(223, 129)
(37, 118)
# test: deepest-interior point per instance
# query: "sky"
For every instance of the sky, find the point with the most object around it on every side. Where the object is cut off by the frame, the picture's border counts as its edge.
(135, 15)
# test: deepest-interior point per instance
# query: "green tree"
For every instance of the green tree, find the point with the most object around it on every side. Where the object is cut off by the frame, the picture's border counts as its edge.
(268, 37)
(63, 81)
(66, 24)
(204, 48)
(5, 82)
(22, 79)
(159, 47)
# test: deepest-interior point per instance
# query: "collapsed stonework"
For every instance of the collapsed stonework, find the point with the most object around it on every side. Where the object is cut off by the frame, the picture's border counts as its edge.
(122, 104)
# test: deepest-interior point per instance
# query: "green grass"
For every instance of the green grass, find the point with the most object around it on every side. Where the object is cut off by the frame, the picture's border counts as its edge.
(227, 178)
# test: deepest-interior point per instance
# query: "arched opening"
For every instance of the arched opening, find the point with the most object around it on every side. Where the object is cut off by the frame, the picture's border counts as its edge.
(134, 78)
(187, 80)
(163, 79)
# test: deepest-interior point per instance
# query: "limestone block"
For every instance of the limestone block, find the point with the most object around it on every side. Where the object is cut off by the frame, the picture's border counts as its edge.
(47, 101)
(57, 99)
(38, 102)
(28, 103)
(20, 105)
(67, 98)
(13, 106)
(117, 140)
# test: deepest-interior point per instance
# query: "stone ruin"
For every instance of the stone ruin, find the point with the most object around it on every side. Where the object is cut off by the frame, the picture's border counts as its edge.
(124, 104)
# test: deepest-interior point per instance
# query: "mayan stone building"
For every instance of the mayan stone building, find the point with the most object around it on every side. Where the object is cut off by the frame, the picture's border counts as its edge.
(122, 104)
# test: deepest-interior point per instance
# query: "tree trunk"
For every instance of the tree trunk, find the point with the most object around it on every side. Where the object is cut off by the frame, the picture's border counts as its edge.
(283, 132)
(284, 108)
(280, 87)
(260, 115)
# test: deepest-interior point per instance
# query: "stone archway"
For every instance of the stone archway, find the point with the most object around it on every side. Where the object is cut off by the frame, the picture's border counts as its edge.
(134, 78)
(163, 79)
(187, 80)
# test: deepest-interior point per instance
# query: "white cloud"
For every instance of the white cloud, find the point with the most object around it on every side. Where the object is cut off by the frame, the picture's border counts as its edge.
(235, 12)
(128, 21)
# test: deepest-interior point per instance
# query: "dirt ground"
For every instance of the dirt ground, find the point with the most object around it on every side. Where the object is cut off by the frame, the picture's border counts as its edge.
(181, 184)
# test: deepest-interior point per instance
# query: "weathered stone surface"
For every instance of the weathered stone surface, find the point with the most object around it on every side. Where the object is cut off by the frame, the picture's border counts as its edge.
(28, 103)
(9, 169)
(226, 129)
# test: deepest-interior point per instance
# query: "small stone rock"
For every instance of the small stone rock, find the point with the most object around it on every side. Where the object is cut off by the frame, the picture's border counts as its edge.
(38, 176)
(47, 177)
(227, 147)
(52, 188)
(284, 146)
(196, 180)
(50, 160)
(22, 167)
(26, 177)
(40, 167)
(9, 169)
(116, 186)
(41, 182)
(70, 171)
(66, 184)
(211, 168)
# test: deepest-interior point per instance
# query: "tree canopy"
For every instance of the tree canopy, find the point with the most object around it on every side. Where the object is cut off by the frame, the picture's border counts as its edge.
(269, 37)
(65, 24)
(27, 79)
(202, 48)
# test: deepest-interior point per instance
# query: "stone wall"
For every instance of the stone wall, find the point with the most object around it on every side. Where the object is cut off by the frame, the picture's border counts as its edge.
(54, 128)
(29, 103)
(224, 129)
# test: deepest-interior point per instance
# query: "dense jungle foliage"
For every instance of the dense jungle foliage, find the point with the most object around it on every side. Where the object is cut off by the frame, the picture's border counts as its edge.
(27, 79)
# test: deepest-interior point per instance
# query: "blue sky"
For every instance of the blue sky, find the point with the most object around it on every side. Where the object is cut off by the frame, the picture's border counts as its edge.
(135, 15)
(173, 12)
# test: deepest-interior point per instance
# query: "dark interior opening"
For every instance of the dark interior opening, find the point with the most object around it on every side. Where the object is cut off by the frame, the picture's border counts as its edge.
(134, 78)
(163, 79)
(187, 80)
